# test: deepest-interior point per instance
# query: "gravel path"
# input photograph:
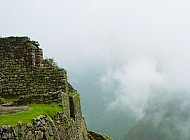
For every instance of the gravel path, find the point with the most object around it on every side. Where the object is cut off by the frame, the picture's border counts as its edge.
(12, 109)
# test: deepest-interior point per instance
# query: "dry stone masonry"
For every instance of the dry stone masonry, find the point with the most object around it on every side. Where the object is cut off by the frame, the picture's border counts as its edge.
(24, 72)
(21, 50)
(27, 78)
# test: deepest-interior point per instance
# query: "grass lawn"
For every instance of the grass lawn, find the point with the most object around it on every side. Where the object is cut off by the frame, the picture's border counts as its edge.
(27, 116)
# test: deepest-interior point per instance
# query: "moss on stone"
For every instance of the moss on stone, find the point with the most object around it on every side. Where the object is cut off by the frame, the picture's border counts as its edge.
(2, 101)
(97, 136)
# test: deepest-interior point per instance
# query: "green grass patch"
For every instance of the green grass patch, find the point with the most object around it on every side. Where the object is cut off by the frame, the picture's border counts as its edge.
(27, 116)
(72, 94)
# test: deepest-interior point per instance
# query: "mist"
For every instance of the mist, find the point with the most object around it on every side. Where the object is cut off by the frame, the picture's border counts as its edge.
(118, 54)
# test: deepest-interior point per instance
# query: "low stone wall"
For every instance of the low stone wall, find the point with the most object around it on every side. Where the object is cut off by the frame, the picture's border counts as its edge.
(46, 128)
(42, 127)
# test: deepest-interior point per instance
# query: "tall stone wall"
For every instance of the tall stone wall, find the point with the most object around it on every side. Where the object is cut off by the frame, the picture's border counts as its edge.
(24, 72)
(21, 50)
(15, 80)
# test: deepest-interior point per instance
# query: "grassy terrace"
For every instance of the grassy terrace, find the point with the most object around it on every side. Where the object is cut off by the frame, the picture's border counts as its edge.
(27, 116)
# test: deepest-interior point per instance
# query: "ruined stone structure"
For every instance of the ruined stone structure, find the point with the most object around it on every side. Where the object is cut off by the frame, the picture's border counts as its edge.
(27, 78)
(22, 51)
(24, 72)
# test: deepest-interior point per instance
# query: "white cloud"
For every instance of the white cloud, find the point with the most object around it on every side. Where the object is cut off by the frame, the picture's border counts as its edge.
(139, 44)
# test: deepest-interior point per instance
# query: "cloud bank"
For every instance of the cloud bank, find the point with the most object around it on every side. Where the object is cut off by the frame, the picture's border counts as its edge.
(129, 48)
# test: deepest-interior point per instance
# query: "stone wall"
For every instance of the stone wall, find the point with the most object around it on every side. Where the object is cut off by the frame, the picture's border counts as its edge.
(42, 127)
(60, 127)
(46, 128)
(51, 97)
(16, 80)
(66, 125)
(28, 78)
(21, 50)
(24, 71)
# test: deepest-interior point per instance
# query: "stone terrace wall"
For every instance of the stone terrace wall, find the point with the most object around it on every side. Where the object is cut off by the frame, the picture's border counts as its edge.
(55, 97)
(42, 127)
(21, 50)
(46, 128)
(16, 80)
(24, 72)
(61, 127)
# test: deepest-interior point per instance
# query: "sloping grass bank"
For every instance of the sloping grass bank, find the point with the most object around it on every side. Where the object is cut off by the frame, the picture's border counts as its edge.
(27, 116)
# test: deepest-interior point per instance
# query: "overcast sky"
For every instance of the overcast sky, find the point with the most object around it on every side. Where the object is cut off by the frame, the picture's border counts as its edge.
(83, 31)
(134, 43)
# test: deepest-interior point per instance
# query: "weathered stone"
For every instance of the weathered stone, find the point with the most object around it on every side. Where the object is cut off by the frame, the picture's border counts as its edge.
(28, 78)
(29, 136)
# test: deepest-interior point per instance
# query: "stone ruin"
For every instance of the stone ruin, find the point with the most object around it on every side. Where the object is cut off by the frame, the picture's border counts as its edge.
(22, 51)
(26, 75)
(27, 78)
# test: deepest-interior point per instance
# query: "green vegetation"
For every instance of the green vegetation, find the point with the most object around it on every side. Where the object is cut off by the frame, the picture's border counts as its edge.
(27, 116)
(70, 119)
(2, 100)
(72, 94)
(96, 136)
(49, 62)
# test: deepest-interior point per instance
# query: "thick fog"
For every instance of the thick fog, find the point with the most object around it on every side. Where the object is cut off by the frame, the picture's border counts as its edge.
(117, 52)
